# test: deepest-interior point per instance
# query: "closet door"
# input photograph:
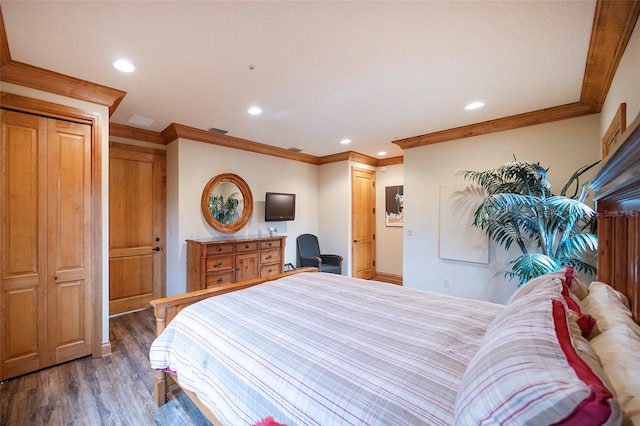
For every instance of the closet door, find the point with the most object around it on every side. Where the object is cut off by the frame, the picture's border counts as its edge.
(68, 240)
(45, 238)
(23, 254)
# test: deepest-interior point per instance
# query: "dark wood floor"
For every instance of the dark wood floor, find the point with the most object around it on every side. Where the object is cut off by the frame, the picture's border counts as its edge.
(114, 390)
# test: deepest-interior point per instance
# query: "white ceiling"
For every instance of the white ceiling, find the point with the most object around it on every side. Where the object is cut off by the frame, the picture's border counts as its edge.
(368, 71)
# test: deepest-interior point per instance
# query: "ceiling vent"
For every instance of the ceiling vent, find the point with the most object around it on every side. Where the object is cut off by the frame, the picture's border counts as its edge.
(219, 131)
(138, 120)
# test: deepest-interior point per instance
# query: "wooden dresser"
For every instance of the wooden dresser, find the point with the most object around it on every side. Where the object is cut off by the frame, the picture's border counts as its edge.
(211, 263)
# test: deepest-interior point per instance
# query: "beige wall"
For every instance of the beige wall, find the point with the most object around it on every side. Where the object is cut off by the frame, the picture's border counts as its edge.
(562, 146)
(191, 164)
(334, 211)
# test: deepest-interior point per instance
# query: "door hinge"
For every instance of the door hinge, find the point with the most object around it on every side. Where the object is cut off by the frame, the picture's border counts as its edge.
(374, 210)
(373, 262)
(374, 237)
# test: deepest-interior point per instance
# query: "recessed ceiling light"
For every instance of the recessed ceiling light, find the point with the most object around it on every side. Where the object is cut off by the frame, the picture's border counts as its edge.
(474, 105)
(124, 65)
(254, 111)
(345, 141)
(381, 153)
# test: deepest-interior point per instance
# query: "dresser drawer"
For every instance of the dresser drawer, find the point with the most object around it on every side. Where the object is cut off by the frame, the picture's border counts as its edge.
(268, 256)
(213, 249)
(213, 279)
(221, 263)
(269, 244)
(248, 246)
(266, 270)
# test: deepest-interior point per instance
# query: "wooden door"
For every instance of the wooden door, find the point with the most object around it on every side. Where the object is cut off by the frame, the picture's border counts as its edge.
(46, 242)
(23, 253)
(136, 227)
(363, 223)
(68, 241)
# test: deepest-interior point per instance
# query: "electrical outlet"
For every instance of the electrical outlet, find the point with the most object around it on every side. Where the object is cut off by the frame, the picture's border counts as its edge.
(445, 283)
(409, 232)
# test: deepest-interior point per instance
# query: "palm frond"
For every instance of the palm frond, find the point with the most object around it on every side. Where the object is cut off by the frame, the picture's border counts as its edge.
(531, 265)
(577, 245)
(575, 177)
(580, 265)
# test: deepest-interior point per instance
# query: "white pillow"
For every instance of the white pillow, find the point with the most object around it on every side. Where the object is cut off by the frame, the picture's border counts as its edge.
(550, 284)
(579, 288)
(608, 306)
(619, 351)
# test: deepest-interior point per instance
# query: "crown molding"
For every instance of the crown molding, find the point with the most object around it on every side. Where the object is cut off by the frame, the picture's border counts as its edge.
(541, 116)
(135, 133)
(175, 131)
(613, 24)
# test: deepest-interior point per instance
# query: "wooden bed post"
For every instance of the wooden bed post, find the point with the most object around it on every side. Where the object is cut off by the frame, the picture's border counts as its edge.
(160, 387)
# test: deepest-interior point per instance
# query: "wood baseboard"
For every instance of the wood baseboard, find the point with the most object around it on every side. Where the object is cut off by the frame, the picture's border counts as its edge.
(106, 349)
(388, 278)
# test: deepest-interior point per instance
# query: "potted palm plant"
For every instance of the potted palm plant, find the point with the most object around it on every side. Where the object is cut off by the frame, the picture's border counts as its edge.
(551, 231)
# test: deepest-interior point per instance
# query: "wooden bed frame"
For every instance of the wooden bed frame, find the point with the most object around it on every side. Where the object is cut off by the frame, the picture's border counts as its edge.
(617, 188)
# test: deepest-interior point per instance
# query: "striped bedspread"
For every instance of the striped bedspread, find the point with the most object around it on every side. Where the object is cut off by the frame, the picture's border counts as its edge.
(324, 349)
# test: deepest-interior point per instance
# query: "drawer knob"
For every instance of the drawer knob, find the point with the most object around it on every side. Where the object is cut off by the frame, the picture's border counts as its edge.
(246, 246)
(219, 262)
(270, 270)
(269, 257)
(219, 279)
(270, 244)
(219, 249)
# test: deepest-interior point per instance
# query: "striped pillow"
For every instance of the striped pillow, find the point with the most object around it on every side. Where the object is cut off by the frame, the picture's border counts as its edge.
(528, 371)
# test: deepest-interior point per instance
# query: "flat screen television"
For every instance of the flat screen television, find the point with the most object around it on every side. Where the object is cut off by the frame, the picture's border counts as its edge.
(279, 206)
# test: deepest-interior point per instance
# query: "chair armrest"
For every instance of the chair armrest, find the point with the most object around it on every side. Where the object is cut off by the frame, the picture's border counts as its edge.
(331, 259)
(310, 261)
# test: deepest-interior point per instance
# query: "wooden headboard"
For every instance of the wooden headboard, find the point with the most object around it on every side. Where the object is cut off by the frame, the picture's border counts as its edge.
(617, 187)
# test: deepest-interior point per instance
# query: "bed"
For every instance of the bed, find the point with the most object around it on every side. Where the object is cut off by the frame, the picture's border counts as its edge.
(313, 348)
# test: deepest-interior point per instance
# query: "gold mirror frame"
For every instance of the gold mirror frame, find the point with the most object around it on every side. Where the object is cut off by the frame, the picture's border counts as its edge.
(247, 203)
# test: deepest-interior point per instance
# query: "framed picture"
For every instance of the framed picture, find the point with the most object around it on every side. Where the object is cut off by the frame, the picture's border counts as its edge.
(394, 202)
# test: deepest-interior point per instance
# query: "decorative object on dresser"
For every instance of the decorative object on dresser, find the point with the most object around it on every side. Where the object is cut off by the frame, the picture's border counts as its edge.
(212, 263)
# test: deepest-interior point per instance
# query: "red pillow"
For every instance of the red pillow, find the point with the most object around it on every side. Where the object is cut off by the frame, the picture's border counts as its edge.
(592, 410)
(568, 274)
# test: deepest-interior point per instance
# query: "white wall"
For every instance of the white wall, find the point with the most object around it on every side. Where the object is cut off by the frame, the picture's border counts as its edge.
(625, 86)
(562, 146)
(103, 112)
(334, 211)
(388, 238)
(191, 164)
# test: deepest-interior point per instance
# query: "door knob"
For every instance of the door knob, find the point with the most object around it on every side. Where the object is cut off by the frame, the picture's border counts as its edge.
(156, 249)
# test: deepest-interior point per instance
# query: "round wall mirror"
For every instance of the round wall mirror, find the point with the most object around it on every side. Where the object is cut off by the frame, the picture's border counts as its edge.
(227, 203)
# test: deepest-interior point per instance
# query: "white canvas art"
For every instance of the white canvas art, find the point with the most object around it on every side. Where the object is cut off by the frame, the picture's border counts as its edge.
(458, 239)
